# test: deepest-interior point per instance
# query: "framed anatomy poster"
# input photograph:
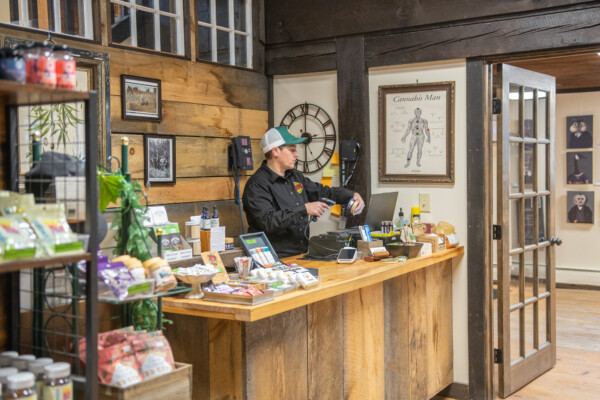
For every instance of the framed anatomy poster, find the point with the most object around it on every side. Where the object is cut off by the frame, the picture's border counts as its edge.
(416, 133)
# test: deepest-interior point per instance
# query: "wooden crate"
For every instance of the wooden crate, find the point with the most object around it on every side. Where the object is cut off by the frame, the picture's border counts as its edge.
(176, 385)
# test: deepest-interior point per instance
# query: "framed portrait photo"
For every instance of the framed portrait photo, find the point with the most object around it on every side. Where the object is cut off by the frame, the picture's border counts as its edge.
(580, 132)
(416, 133)
(580, 168)
(580, 207)
(140, 98)
(159, 159)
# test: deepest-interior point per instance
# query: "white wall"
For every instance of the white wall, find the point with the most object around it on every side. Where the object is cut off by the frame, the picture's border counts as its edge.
(319, 89)
(448, 202)
(575, 262)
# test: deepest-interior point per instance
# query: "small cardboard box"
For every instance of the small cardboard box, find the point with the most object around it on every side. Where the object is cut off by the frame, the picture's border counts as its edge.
(430, 238)
(174, 385)
(364, 247)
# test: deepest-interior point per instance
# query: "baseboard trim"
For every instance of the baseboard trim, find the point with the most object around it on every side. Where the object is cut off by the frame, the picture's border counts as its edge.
(455, 390)
(576, 286)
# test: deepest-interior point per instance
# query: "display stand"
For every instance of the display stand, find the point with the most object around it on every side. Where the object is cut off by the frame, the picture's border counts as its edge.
(49, 317)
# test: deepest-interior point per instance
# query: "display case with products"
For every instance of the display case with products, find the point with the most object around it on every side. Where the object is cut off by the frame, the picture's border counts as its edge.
(48, 308)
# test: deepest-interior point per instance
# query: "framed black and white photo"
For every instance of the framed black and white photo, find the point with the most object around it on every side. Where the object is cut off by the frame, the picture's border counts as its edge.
(580, 132)
(416, 133)
(140, 98)
(580, 207)
(159, 159)
(579, 168)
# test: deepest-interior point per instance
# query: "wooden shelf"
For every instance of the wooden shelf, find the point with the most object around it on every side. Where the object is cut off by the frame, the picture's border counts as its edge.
(20, 94)
(17, 265)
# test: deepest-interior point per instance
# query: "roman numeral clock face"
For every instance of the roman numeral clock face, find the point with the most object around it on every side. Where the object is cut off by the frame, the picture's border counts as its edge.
(312, 122)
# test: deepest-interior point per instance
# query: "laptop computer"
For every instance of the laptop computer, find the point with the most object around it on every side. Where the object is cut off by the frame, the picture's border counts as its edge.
(381, 207)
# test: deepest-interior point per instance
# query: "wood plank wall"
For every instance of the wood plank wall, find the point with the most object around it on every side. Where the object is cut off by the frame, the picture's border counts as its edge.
(204, 106)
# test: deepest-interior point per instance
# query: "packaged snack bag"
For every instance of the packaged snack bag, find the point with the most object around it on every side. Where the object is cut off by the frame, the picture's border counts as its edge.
(117, 366)
(51, 227)
(153, 354)
(17, 240)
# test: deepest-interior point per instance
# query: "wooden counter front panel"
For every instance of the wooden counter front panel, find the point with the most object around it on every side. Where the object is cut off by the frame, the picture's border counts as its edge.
(390, 340)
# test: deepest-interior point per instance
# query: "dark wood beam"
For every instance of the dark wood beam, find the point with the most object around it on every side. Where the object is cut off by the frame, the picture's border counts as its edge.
(542, 30)
(478, 247)
(303, 20)
(353, 109)
(301, 58)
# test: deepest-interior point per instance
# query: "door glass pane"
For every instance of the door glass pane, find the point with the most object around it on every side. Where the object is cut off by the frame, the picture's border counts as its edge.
(530, 236)
(529, 166)
(513, 97)
(145, 29)
(529, 266)
(542, 128)
(544, 282)
(544, 333)
(542, 166)
(145, 3)
(514, 167)
(542, 218)
(529, 323)
(528, 113)
(515, 335)
(515, 274)
(204, 39)
(222, 47)
(514, 209)
(72, 20)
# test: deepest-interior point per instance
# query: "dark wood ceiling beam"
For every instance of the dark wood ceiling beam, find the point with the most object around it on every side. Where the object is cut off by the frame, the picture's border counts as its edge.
(577, 27)
(301, 58)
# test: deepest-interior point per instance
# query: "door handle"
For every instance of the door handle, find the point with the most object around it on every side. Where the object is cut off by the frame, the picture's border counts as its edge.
(555, 240)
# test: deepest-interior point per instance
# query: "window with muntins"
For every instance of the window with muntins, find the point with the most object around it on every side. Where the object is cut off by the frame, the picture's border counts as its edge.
(70, 17)
(225, 31)
(149, 24)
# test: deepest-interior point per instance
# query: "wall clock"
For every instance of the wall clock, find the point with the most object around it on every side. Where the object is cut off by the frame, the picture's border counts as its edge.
(312, 122)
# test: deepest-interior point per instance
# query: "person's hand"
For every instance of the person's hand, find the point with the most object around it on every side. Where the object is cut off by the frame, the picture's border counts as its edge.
(361, 204)
(316, 208)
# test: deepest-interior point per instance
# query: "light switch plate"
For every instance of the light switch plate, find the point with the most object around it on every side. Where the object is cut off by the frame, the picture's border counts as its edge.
(425, 202)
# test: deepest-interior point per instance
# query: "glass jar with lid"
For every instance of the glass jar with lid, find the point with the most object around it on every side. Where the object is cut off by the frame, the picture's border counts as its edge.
(36, 367)
(21, 387)
(58, 384)
(6, 357)
(21, 362)
(65, 68)
(4, 374)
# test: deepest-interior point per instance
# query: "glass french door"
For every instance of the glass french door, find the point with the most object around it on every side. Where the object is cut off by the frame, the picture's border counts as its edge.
(525, 214)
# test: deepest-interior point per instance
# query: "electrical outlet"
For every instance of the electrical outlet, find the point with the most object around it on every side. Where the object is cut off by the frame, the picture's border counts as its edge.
(425, 202)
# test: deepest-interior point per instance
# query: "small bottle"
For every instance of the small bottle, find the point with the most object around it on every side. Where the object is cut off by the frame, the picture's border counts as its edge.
(36, 367)
(214, 220)
(65, 68)
(4, 374)
(58, 384)
(6, 357)
(400, 223)
(20, 362)
(205, 225)
(21, 386)
(415, 215)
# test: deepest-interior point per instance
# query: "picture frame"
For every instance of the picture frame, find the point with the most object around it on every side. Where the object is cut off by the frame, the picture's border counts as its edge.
(141, 98)
(416, 133)
(580, 168)
(159, 159)
(580, 207)
(580, 132)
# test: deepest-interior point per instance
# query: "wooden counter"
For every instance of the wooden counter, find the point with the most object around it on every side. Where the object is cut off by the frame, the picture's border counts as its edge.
(370, 331)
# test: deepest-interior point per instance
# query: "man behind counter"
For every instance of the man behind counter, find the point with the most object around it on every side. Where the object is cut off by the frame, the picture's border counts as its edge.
(279, 201)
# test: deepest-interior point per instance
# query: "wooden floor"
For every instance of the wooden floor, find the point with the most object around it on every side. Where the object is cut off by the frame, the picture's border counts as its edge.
(576, 374)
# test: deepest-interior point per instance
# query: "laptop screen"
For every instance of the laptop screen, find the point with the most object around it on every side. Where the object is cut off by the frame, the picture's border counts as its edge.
(381, 208)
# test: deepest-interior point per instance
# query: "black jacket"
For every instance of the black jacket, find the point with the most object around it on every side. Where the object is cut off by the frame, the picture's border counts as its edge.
(275, 205)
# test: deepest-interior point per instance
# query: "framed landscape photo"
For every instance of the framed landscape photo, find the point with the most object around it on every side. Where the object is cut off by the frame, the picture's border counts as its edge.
(140, 98)
(416, 133)
(159, 159)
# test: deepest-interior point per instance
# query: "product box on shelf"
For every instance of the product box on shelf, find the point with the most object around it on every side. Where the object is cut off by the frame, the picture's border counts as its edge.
(174, 385)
